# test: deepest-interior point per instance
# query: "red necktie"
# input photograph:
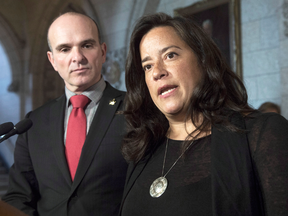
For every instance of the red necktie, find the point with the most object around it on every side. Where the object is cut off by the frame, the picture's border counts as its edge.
(76, 132)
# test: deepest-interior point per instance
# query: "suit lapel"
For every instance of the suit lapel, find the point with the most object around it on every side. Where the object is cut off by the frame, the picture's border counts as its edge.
(57, 134)
(102, 119)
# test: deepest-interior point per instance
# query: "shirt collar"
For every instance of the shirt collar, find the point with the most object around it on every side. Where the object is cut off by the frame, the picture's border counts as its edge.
(94, 92)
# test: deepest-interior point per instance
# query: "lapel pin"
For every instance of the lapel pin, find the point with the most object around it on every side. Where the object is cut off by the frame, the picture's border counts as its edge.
(112, 102)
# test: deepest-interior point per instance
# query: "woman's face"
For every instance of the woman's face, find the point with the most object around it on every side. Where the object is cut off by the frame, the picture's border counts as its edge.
(171, 71)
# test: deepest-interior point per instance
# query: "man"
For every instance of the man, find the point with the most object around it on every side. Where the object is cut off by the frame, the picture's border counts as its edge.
(269, 107)
(44, 179)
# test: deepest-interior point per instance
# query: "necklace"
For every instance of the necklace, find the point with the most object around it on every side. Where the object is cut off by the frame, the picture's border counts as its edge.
(159, 185)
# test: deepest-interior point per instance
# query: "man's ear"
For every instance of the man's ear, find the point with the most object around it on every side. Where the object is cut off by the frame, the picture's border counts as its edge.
(104, 50)
(51, 59)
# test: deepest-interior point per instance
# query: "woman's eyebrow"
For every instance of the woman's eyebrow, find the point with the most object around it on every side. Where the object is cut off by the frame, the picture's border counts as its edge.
(161, 52)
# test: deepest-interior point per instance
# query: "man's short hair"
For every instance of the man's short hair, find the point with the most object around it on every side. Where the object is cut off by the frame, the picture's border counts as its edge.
(268, 106)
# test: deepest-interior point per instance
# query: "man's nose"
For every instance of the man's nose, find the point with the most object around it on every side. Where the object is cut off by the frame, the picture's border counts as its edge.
(78, 55)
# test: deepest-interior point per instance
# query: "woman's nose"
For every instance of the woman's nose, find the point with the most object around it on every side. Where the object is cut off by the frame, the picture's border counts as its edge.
(159, 71)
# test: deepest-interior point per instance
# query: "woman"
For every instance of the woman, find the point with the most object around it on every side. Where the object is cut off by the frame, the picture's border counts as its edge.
(194, 145)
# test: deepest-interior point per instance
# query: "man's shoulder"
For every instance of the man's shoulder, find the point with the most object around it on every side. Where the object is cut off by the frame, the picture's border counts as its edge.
(46, 107)
(113, 92)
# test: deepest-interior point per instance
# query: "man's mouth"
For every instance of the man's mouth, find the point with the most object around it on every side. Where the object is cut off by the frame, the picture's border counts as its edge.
(79, 69)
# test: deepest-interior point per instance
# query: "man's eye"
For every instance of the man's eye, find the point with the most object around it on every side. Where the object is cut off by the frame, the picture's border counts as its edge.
(87, 46)
(64, 50)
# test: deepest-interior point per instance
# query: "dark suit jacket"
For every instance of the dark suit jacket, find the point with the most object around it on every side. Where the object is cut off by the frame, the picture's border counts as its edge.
(40, 181)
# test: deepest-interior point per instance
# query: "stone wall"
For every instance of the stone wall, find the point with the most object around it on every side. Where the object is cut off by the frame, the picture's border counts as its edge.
(283, 55)
(261, 50)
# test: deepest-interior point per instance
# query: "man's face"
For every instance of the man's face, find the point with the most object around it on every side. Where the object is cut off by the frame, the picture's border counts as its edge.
(77, 54)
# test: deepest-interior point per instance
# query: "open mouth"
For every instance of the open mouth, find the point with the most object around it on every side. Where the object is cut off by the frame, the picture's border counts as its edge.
(165, 90)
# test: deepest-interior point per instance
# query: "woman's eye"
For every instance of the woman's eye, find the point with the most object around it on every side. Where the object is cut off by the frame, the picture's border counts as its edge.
(171, 55)
(146, 67)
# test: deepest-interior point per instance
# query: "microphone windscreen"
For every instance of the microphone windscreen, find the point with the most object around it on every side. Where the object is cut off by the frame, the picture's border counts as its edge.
(23, 125)
(6, 127)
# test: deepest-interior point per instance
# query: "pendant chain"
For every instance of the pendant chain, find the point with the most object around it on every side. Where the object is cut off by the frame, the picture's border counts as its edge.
(159, 185)
(175, 161)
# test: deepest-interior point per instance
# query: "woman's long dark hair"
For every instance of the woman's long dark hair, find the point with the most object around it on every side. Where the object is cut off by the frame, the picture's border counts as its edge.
(219, 90)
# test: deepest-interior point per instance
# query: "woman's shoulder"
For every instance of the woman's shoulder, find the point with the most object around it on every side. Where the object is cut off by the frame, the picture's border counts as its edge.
(268, 141)
(266, 129)
(257, 118)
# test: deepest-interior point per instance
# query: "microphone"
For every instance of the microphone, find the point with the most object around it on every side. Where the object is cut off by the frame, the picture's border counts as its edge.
(19, 128)
(6, 127)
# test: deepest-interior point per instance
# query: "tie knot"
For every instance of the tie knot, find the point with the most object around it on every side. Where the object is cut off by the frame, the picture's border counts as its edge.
(79, 101)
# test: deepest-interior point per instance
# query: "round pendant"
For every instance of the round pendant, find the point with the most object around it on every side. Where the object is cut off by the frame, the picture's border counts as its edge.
(158, 187)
